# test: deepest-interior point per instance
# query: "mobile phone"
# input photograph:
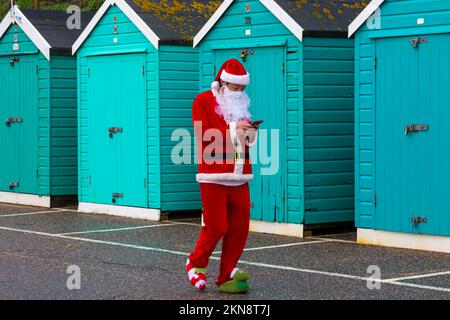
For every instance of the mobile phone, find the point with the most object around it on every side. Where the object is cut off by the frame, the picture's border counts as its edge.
(257, 123)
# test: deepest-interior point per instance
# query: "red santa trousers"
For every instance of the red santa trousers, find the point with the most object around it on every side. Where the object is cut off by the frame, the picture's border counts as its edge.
(226, 215)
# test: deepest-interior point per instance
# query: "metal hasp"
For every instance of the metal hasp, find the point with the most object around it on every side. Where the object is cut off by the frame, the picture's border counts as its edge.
(14, 60)
(414, 128)
(13, 120)
(417, 41)
(245, 53)
(114, 130)
(13, 184)
(418, 220)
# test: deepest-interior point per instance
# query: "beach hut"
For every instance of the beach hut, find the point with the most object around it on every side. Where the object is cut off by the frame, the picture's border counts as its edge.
(402, 124)
(138, 76)
(38, 135)
(302, 85)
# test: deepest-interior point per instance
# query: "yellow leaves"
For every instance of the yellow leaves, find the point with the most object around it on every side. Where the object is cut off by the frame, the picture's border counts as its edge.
(326, 9)
(328, 13)
(180, 16)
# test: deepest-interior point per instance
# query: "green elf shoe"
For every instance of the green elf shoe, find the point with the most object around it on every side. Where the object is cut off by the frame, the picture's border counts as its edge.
(237, 285)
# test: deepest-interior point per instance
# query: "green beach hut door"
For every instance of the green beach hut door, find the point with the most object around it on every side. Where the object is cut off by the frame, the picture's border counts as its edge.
(412, 135)
(266, 90)
(18, 127)
(117, 135)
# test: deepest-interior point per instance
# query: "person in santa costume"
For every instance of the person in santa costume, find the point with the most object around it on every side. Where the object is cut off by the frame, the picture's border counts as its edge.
(224, 132)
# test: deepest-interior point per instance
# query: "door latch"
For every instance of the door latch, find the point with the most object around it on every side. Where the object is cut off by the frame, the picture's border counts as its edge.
(416, 220)
(114, 130)
(13, 184)
(414, 128)
(13, 120)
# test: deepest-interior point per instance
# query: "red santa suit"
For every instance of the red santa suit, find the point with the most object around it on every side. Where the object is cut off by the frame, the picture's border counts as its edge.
(224, 172)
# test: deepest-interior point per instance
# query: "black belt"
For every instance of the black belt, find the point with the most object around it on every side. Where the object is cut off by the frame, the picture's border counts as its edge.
(227, 156)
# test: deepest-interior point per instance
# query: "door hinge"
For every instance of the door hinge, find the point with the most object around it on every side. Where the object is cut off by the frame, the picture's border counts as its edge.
(37, 69)
(416, 220)
(9, 121)
(374, 199)
(143, 70)
(37, 173)
(375, 62)
(89, 73)
(215, 69)
(13, 184)
(145, 183)
(415, 128)
(282, 68)
(90, 180)
(114, 130)
(115, 196)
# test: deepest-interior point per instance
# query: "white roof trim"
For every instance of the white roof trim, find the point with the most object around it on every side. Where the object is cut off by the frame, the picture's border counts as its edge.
(212, 21)
(98, 15)
(363, 16)
(284, 17)
(129, 12)
(28, 28)
(6, 22)
(271, 5)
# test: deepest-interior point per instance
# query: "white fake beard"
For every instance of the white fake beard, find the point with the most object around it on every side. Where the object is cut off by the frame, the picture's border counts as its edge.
(233, 105)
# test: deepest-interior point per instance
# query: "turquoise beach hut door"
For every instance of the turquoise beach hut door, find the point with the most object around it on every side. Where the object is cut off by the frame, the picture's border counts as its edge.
(18, 130)
(117, 135)
(266, 90)
(9, 134)
(412, 138)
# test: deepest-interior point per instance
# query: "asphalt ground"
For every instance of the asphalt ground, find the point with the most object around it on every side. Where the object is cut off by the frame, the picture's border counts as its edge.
(121, 258)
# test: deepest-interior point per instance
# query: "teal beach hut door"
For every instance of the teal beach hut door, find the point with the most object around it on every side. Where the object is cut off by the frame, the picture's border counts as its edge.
(18, 130)
(9, 134)
(266, 90)
(117, 135)
(412, 135)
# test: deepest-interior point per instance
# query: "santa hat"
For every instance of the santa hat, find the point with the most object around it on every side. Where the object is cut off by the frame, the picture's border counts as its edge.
(232, 71)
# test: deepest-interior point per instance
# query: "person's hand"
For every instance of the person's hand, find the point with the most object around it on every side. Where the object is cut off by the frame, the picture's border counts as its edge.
(243, 125)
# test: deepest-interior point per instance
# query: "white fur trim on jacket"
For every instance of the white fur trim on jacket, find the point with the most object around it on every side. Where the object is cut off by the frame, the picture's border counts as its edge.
(231, 78)
(252, 137)
(233, 132)
(211, 177)
(215, 85)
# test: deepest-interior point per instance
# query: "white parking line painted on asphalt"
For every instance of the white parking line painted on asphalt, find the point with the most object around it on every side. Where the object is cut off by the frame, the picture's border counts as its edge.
(250, 263)
(117, 229)
(332, 240)
(111, 243)
(281, 246)
(340, 275)
(63, 209)
(28, 213)
(419, 276)
(185, 223)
